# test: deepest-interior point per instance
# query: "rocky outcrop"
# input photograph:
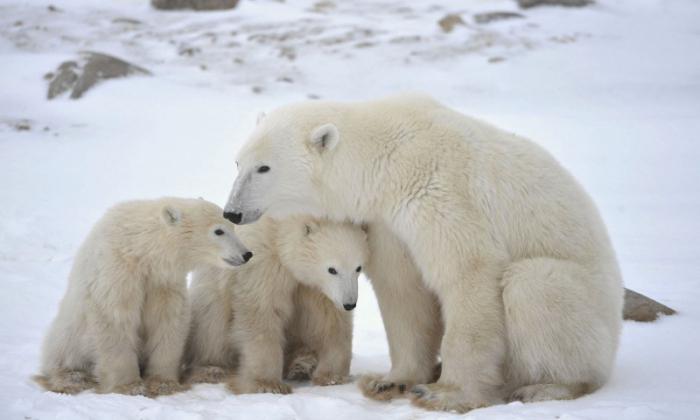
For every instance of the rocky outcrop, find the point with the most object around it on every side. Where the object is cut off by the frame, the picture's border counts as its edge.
(90, 69)
(448, 22)
(568, 3)
(643, 309)
(194, 4)
(489, 17)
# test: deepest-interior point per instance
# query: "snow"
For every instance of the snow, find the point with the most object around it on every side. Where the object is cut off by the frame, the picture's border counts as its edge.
(612, 90)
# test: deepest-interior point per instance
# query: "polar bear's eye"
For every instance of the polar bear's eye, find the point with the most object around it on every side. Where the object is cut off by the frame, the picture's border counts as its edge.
(333, 271)
(218, 232)
(263, 169)
(359, 268)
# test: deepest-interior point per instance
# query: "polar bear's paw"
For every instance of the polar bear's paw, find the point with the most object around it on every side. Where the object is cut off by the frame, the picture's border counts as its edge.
(443, 397)
(302, 367)
(156, 386)
(208, 375)
(378, 388)
(258, 386)
(546, 392)
(66, 382)
(325, 379)
(134, 388)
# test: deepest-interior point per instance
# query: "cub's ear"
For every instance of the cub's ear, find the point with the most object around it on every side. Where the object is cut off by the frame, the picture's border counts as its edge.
(324, 137)
(310, 227)
(171, 216)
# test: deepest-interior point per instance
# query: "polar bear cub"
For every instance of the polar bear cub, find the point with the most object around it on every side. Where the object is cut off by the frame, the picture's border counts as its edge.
(291, 303)
(126, 310)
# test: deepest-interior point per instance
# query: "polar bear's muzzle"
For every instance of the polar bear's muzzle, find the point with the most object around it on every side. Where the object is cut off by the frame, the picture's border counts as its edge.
(233, 217)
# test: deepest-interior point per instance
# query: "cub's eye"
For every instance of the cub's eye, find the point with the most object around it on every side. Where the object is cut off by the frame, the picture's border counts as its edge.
(263, 169)
(359, 268)
(333, 271)
(236, 164)
(218, 232)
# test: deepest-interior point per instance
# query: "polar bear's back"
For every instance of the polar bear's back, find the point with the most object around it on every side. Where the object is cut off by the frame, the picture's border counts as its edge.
(534, 204)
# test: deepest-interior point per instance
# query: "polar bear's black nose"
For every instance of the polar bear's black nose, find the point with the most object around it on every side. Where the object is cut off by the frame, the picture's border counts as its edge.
(349, 306)
(248, 255)
(233, 217)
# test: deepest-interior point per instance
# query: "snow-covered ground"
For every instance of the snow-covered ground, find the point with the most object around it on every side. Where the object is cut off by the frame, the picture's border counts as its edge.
(612, 90)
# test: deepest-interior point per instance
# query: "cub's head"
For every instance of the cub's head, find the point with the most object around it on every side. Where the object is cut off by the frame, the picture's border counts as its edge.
(204, 235)
(281, 167)
(326, 255)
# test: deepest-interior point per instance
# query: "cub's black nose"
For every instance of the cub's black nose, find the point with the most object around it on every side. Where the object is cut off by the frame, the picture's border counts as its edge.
(233, 217)
(349, 306)
(248, 255)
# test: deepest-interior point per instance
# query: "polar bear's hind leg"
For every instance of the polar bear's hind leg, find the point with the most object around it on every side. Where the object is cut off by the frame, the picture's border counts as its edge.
(562, 335)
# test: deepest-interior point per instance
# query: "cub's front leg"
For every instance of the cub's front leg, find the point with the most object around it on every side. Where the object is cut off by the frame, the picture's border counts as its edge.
(114, 316)
(327, 330)
(258, 333)
(259, 337)
(166, 317)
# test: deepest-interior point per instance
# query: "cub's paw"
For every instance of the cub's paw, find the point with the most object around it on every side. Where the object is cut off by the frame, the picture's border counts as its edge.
(325, 379)
(445, 397)
(156, 386)
(134, 388)
(208, 375)
(66, 382)
(378, 388)
(258, 386)
(302, 367)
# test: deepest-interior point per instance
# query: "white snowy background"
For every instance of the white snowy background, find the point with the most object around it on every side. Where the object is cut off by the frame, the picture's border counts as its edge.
(612, 90)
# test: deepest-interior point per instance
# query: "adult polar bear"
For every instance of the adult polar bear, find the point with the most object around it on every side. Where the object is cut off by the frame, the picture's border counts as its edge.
(526, 280)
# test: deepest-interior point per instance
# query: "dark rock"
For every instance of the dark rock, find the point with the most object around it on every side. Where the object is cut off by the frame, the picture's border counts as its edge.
(63, 79)
(494, 16)
(448, 23)
(23, 125)
(194, 4)
(567, 3)
(127, 21)
(79, 76)
(643, 309)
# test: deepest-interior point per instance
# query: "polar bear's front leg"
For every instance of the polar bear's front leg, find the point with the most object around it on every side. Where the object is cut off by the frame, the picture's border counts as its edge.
(473, 352)
(261, 358)
(334, 361)
(114, 316)
(166, 316)
(258, 333)
(464, 271)
(410, 313)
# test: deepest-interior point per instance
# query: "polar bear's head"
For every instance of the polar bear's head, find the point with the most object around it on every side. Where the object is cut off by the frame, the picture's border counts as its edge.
(203, 234)
(326, 255)
(282, 166)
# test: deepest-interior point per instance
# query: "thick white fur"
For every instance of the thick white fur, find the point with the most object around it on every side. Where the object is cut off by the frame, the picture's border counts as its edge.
(126, 310)
(510, 245)
(283, 305)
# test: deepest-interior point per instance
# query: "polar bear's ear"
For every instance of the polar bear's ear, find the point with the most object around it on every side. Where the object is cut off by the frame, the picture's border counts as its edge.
(170, 215)
(310, 227)
(364, 227)
(325, 137)
(261, 116)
